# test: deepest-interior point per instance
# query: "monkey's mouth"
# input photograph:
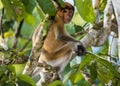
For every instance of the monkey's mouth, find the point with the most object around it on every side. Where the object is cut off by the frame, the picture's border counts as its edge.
(68, 18)
(67, 21)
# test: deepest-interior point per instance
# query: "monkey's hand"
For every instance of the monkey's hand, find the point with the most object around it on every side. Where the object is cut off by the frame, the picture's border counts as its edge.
(80, 50)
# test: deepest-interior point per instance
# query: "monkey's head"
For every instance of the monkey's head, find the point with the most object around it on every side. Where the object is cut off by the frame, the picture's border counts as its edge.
(66, 13)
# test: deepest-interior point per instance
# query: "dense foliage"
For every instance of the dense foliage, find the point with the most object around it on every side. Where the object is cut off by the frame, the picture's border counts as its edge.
(19, 18)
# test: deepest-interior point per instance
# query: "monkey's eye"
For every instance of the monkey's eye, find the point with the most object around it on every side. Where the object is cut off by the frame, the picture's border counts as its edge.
(65, 10)
(68, 9)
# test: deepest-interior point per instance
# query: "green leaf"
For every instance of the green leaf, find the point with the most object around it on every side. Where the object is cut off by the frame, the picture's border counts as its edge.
(29, 5)
(93, 71)
(61, 3)
(7, 25)
(20, 54)
(77, 19)
(1, 5)
(67, 76)
(56, 83)
(11, 68)
(14, 9)
(107, 64)
(3, 79)
(1, 72)
(83, 83)
(78, 77)
(47, 7)
(29, 19)
(24, 80)
(87, 59)
(17, 68)
(102, 4)
(9, 34)
(8, 10)
(104, 74)
(78, 28)
(116, 82)
(70, 29)
(40, 12)
(72, 75)
(85, 10)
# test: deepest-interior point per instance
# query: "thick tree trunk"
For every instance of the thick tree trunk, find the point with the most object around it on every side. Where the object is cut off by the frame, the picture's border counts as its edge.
(96, 6)
(99, 37)
(116, 5)
(113, 41)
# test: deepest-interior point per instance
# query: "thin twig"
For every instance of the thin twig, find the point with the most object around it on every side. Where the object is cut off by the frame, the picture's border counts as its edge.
(24, 46)
(17, 34)
(79, 33)
(103, 58)
(1, 27)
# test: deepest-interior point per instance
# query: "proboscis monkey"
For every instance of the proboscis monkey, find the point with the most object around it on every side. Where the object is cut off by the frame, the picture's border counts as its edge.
(58, 46)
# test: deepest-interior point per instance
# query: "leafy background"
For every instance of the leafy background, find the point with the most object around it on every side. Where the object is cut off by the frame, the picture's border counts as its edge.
(19, 21)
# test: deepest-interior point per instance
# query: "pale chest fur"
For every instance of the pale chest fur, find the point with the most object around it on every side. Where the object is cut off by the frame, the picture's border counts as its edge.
(57, 63)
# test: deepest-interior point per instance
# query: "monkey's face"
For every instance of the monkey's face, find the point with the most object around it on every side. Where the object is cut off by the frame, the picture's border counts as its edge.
(68, 12)
(67, 16)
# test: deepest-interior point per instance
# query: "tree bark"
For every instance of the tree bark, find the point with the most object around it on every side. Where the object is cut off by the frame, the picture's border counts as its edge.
(99, 37)
(116, 6)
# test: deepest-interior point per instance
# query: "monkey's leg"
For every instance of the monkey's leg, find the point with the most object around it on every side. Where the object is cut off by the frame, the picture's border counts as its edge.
(46, 78)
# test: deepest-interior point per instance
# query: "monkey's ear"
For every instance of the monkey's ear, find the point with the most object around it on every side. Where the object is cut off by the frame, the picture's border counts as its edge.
(81, 50)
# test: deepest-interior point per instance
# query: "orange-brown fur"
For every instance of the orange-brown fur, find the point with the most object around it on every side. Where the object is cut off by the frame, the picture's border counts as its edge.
(58, 45)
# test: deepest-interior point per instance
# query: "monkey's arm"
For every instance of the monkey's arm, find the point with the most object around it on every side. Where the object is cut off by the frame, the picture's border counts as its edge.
(60, 34)
(78, 46)
(66, 38)
(37, 33)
